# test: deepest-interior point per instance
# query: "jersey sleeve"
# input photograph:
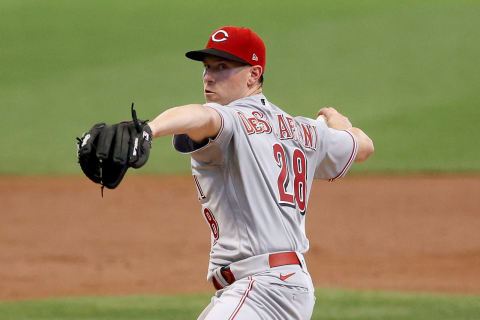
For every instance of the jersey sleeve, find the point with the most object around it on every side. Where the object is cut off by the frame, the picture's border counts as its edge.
(339, 151)
(211, 151)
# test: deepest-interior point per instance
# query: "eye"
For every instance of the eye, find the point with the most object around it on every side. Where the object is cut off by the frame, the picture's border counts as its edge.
(222, 66)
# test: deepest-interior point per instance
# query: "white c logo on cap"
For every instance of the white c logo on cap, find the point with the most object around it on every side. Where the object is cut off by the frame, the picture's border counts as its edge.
(225, 34)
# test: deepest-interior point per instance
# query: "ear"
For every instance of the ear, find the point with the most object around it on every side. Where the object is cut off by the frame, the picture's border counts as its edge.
(254, 76)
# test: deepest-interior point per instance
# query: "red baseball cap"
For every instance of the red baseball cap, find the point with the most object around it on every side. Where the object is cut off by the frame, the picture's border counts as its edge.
(233, 43)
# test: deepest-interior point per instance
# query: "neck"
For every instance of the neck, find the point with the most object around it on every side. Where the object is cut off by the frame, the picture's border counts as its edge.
(255, 91)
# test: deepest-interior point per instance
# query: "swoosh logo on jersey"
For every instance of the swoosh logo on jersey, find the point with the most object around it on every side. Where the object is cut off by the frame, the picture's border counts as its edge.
(285, 277)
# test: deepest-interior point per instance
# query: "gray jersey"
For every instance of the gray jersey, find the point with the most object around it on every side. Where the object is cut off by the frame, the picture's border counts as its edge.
(254, 178)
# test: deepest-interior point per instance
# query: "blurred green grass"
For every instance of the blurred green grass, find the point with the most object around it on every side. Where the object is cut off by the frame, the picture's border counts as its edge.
(406, 72)
(330, 304)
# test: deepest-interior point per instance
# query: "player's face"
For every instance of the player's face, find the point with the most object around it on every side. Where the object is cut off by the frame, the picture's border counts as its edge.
(224, 80)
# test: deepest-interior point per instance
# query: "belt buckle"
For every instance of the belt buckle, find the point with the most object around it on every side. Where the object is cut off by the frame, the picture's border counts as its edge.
(227, 274)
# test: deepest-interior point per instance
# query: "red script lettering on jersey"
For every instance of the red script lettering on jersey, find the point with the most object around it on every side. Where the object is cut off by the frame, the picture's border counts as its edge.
(256, 124)
(212, 223)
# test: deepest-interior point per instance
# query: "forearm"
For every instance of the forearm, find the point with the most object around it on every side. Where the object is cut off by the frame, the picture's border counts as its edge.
(195, 120)
(365, 144)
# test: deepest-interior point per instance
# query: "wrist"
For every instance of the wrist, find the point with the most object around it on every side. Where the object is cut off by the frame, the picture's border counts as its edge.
(151, 126)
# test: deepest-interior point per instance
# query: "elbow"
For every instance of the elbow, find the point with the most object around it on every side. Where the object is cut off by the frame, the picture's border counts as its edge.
(370, 148)
(365, 150)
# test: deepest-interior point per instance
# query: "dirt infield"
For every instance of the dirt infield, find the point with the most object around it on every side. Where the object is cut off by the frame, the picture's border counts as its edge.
(58, 237)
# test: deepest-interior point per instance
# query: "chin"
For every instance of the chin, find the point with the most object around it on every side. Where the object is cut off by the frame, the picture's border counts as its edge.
(212, 99)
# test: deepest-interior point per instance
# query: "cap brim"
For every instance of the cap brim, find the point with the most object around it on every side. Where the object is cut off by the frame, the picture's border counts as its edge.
(199, 55)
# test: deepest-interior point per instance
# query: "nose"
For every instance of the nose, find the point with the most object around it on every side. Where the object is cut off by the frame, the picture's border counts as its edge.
(207, 76)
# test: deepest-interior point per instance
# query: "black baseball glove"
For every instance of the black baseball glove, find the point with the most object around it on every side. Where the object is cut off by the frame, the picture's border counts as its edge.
(107, 151)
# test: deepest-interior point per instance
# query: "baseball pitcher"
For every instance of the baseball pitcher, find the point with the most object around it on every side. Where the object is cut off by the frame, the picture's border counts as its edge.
(253, 165)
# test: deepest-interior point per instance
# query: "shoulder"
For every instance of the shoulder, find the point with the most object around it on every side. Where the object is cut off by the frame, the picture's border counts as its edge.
(254, 101)
(241, 106)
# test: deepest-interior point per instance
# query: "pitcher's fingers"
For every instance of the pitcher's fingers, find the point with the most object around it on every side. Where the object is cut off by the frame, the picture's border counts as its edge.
(326, 111)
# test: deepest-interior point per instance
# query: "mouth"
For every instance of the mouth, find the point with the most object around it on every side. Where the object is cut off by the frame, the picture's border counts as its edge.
(208, 91)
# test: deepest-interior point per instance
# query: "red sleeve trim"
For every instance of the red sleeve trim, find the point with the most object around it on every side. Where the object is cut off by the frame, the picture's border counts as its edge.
(350, 160)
